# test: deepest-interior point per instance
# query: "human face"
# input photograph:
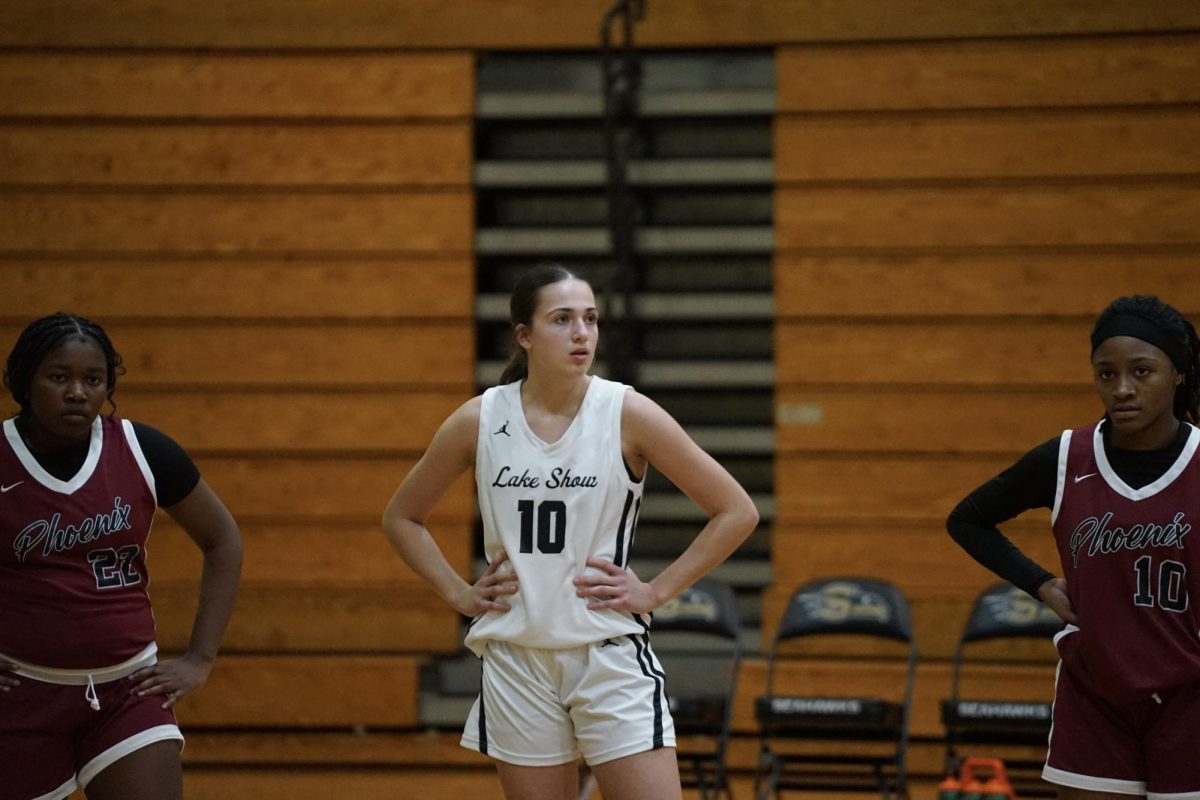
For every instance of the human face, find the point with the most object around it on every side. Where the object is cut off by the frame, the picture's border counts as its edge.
(564, 330)
(1136, 382)
(67, 391)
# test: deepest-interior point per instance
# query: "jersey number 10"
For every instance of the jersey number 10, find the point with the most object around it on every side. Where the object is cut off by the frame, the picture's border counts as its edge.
(1172, 590)
(551, 525)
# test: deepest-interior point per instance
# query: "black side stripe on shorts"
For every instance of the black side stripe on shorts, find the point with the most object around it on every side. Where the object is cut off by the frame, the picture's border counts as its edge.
(619, 550)
(646, 662)
(483, 747)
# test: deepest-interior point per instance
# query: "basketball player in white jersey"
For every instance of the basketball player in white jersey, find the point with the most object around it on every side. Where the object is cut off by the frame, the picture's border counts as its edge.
(559, 619)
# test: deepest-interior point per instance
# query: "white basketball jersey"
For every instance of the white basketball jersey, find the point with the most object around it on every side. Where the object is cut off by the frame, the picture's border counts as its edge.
(551, 507)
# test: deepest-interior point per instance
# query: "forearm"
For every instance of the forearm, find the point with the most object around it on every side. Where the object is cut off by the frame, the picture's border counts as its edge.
(992, 549)
(218, 591)
(723, 534)
(420, 552)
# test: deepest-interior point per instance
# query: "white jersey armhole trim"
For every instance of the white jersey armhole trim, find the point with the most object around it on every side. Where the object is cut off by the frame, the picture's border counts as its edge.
(1064, 446)
(136, 448)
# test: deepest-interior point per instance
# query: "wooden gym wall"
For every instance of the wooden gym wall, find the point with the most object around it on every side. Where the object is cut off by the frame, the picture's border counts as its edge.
(268, 204)
(950, 217)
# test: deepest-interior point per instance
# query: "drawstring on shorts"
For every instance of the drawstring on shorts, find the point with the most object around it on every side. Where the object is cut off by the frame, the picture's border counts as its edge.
(89, 694)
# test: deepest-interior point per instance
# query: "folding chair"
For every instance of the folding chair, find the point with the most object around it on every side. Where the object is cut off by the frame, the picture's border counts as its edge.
(701, 702)
(834, 728)
(1001, 611)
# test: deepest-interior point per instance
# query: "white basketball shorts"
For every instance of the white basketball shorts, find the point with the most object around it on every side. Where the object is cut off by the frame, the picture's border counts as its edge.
(539, 708)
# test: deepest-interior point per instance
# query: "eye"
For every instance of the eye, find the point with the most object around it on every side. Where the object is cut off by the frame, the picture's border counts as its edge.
(592, 319)
(95, 380)
(1104, 374)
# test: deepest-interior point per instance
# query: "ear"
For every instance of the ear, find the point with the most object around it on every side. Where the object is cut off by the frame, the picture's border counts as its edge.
(521, 335)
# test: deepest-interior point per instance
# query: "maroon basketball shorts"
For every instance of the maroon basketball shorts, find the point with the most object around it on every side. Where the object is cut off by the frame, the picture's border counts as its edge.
(52, 738)
(1147, 748)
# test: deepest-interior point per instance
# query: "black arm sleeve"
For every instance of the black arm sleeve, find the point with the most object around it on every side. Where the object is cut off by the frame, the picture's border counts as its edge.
(1029, 483)
(175, 474)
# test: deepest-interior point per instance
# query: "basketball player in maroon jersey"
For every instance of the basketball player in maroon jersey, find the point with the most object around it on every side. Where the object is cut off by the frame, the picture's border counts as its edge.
(1124, 495)
(84, 700)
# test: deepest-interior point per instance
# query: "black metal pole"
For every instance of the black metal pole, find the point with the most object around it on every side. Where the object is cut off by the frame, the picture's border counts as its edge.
(622, 84)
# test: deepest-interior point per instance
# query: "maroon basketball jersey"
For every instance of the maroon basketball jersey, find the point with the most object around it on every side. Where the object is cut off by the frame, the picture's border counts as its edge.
(1132, 565)
(73, 553)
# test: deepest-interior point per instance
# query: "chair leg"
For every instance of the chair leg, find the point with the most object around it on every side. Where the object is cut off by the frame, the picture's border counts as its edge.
(771, 785)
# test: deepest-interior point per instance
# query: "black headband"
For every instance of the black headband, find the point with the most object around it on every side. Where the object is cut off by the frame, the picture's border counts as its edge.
(1137, 326)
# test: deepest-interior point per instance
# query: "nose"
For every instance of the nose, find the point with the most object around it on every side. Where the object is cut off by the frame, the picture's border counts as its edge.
(579, 330)
(76, 390)
(1123, 387)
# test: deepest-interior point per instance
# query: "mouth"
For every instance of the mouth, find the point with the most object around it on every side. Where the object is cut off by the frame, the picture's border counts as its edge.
(74, 413)
(1124, 411)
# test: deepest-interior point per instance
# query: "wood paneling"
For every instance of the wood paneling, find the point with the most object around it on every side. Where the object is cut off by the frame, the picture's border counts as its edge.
(1022, 144)
(207, 290)
(1042, 215)
(923, 561)
(279, 241)
(306, 692)
(888, 287)
(302, 422)
(267, 783)
(877, 489)
(430, 223)
(321, 619)
(925, 420)
(301, 356)
(236, 155)
(1006, 73)
(947, 353)
(950, 217)
(503, 24)
(224, 85)
(342, 489)
(424, 748)
(339, 556)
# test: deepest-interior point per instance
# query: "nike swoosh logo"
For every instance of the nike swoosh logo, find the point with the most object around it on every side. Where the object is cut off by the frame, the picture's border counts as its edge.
(15, 485)
(1079, 478)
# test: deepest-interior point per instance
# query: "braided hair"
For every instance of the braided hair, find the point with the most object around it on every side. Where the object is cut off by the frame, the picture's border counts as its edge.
(521, 305)
(1177, 327)
(44, 335)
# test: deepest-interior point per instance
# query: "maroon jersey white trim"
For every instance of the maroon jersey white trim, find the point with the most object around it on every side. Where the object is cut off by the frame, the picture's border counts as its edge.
(1132, 565)
(73, 574)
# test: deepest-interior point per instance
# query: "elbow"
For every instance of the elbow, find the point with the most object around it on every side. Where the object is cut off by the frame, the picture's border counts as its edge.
(746, 518)
(752, 518)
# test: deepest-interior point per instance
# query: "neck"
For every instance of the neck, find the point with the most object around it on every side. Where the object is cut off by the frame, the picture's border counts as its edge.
(40, 440)
(1155, 437)
(555, 396)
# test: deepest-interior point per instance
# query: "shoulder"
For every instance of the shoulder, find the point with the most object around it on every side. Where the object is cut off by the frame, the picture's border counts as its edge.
(638, 409)
(174, 471)
(459, 434)
(151, 438)
(466, 416)
(644, 422)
